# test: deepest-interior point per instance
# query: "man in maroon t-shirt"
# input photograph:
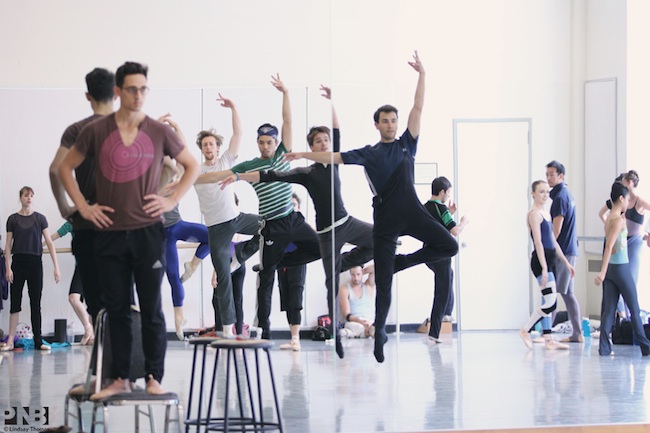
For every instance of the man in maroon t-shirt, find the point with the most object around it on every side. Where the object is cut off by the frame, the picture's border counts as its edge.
(100, 83)
(128, 148)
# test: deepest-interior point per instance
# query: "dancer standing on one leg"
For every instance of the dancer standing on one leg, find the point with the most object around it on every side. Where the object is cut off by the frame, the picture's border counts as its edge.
(176, 229)
(542, 263)
(397, 208)
(324, 186)
(615, 275)
(222, 217)
(443, 300)
(281, 225)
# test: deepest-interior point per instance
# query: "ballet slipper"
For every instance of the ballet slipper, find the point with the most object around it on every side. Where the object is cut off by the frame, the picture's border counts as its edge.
(7, 348)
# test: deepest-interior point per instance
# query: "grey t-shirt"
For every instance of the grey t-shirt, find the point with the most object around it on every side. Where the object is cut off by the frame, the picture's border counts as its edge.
(27, 232)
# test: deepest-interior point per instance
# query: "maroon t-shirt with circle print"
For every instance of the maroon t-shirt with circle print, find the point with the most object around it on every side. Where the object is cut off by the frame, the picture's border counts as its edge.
(124, 175)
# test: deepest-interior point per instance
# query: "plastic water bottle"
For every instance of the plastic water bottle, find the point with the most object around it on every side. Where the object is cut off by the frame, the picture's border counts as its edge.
(70, 332)
(586, 327)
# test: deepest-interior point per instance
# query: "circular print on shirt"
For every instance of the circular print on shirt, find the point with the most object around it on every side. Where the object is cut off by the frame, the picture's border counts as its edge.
(120, 163)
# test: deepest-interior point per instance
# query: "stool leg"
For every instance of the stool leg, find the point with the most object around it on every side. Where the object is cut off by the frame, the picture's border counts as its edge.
(152, 421)
(79, 417)
(275, 393)
(212, 387)
(250, 390)
(105, 420)
(198, 413)
(189, 401)
(167, 408)
(238, 381)
(259, 387)
(226, 419)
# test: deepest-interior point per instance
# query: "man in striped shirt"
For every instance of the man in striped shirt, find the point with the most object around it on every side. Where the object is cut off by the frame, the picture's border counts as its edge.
(280, 224)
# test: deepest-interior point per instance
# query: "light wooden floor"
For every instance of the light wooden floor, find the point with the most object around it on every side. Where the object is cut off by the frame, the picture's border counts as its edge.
(473, 382)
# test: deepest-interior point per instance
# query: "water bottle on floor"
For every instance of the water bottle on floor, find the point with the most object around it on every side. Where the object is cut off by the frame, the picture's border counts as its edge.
(586, 327)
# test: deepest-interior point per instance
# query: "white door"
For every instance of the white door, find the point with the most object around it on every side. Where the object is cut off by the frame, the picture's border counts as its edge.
(492, 158)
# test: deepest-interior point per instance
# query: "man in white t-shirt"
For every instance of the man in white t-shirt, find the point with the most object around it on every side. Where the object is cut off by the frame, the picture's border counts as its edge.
(222, 216)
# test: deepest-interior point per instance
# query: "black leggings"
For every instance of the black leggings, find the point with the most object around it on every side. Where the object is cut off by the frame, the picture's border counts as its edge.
(28, 268)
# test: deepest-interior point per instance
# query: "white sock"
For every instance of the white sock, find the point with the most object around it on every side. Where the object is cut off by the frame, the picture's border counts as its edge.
(227, 331)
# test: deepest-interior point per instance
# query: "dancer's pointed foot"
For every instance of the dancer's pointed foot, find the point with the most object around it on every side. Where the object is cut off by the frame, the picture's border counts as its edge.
(89, 335)
(179, 322)
(526, 338)
(189, 270)
(380, 341)
(179, 327)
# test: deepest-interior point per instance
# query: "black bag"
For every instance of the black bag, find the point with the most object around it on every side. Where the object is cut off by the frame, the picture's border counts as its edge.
(321, 334)
(622, 332)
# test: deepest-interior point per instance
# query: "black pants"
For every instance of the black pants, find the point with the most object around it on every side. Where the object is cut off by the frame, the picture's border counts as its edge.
(443, 280)
(355, 232)
(399, 212)
(126, 256)
(275, 236)
(237, 279)
(83, 248)
(291, 282)
(28, 268)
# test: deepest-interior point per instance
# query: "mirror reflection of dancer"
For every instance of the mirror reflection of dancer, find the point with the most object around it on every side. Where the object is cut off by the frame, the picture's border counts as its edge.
(128, 149)
(177, 229)
(615, 275)
(100, 84)
(397, 208)
(324, 186)
(222, 217)
(23, 252)
(280, 224)
(542, 264)
(443, 300)
(76, 293)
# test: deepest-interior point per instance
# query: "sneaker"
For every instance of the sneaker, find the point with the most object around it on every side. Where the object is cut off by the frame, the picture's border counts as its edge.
(435, 340)
(555, 345)
(189, 270)
(447, 318)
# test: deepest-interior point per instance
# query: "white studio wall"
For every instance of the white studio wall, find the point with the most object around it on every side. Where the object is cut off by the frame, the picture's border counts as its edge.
(484, 59)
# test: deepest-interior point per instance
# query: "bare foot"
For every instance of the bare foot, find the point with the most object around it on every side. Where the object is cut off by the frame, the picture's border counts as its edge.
(153, 386)
(118, 386)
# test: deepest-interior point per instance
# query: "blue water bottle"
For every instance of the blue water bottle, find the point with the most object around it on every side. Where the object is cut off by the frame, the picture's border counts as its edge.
(586, 327)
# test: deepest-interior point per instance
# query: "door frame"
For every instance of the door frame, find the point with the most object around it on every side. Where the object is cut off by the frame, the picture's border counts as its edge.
(455, 123)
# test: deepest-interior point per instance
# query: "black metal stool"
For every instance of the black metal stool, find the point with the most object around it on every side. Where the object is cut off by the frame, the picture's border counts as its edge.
(254, 421)
(198, 343)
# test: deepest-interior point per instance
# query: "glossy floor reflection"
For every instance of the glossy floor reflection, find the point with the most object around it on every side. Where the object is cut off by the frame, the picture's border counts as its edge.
(474, 380)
